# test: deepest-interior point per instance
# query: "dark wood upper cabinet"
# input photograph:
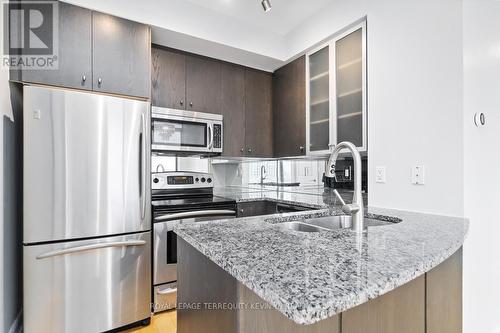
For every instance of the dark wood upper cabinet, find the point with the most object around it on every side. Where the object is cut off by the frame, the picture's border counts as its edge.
(289, 109)
(258, 114)
(74, 52)
(203, 84)
(233, 109)
(121, 56)
(168, 79)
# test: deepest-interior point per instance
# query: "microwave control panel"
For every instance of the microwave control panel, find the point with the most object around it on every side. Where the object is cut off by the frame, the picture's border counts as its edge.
(217, 136)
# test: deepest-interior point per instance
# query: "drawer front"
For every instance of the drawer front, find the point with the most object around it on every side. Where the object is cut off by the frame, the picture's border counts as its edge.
(165, 297)
(87, 286)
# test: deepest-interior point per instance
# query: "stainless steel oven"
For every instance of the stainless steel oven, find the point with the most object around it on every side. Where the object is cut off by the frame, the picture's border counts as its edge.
(179, 197)
(184, 131)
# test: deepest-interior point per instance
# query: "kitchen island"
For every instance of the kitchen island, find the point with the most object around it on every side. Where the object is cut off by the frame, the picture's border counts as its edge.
(253, 275)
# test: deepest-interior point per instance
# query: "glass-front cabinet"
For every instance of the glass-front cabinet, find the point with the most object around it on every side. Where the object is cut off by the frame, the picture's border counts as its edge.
(336, 92)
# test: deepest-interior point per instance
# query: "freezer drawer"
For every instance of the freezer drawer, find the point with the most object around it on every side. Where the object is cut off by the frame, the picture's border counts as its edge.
(87, 286)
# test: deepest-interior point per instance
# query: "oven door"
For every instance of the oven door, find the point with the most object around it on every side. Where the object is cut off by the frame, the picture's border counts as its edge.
(170, 133)
(165, 240)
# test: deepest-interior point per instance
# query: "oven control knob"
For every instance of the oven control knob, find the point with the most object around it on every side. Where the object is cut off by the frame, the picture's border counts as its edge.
(156, 180)
(203, 179)
(197, 179)
(209, 180)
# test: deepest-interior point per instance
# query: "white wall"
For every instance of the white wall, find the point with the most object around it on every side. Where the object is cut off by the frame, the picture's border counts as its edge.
(481, 32)
(190, 19)
(414, 96)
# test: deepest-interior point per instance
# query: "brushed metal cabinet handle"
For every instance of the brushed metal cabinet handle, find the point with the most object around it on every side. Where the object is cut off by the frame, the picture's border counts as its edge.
(167, 291)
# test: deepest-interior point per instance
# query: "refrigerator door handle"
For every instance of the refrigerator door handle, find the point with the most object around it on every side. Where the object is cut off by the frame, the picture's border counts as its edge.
(143, 167)
(90, 247)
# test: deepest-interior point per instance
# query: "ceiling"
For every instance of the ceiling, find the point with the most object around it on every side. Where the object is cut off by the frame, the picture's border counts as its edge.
(284, 16)
(238, 31)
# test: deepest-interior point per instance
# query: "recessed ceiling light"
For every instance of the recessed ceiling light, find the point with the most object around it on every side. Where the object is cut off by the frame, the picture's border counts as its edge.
(266, 5)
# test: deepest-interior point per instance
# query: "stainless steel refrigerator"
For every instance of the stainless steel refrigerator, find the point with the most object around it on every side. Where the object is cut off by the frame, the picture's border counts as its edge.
(87, 219)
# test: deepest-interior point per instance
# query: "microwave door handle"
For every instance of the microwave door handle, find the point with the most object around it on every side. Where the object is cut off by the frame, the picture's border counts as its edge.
(199, 213)
(143, 167)
(210, 136)
(90, 247)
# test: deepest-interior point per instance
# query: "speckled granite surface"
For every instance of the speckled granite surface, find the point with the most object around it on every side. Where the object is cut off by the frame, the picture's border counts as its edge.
(312, 276)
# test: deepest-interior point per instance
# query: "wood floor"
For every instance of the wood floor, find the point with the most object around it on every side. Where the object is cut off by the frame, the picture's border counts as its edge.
(165, 322)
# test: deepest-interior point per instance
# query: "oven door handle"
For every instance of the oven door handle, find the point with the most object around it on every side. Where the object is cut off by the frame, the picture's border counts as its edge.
(198, 213)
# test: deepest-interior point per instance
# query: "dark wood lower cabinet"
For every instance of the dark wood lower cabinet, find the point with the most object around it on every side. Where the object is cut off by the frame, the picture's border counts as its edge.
(430, 303)
(256, 208)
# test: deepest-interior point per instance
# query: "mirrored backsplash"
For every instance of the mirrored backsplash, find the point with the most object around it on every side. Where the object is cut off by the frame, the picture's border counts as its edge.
(270, 172)
(287, 172)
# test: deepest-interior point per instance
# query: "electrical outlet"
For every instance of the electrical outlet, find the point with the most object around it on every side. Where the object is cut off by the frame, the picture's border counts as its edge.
(380, 174)
(418, 175)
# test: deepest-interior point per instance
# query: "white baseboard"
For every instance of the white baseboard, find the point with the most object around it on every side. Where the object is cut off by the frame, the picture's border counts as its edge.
(17, 325)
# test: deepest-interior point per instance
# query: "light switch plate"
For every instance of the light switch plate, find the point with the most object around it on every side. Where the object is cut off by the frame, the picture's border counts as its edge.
(418, 175)
(37, 114)
(380, 174)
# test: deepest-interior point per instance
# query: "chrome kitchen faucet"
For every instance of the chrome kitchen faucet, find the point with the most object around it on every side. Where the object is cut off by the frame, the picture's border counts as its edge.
(355, 209)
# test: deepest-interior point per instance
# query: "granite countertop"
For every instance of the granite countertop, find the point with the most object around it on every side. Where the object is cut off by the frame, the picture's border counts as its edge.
(312, 276)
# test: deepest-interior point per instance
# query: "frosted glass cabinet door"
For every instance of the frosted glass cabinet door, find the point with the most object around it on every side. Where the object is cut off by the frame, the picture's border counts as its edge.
(349, 59)
(319, 100)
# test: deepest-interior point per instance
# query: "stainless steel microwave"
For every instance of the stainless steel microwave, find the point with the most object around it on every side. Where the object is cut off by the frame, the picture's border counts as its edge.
(186, 131)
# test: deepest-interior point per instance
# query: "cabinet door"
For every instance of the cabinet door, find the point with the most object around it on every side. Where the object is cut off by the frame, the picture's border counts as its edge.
(168, 82)
(318, 97)
(233, 109)
(350, 88)
(203, 85)
(258, 114)
(121, 53)
(74, 51)
(256, 208)
(289, 109)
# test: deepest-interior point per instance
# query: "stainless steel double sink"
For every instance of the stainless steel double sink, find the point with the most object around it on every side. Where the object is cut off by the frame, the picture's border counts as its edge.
(327, 223)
